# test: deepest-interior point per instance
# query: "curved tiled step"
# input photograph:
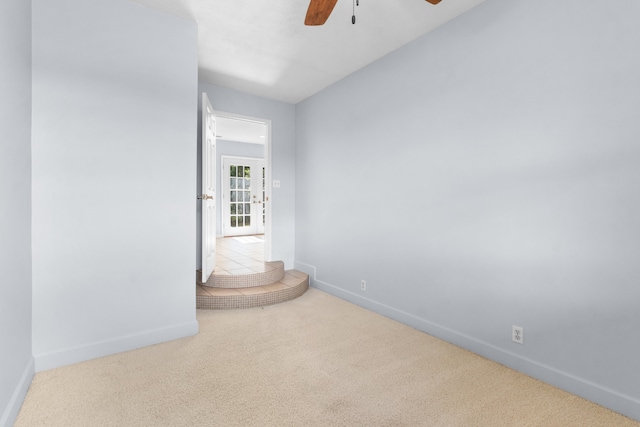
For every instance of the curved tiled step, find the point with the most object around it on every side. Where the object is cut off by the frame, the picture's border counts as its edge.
(261, 274)
(292, 285)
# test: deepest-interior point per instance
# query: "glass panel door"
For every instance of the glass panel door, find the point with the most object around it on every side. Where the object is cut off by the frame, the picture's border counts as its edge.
(244, 195)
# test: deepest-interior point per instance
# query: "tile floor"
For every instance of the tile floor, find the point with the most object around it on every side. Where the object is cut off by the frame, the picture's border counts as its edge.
(240, 255)
(245, 255)
(291, 280)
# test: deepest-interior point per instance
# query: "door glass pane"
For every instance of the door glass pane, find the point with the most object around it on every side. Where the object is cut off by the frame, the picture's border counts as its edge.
(233, 171)
(240, 171)
(240, 222)
(233, 196)
(247, 221)
(247, 184)
(247, 196)
(233, 221)
(247, 171)
(247, 208)
(232, 183)
(233, 209)
(240, 208)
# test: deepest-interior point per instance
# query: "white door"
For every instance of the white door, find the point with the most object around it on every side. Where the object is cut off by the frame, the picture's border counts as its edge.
(243, 186)
(208, 188)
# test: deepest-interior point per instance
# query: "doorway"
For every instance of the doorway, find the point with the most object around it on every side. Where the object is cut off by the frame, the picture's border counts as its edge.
(244, 174)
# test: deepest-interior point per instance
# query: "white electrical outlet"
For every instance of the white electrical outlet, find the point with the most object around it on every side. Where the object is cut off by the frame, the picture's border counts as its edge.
(363, 285)
(276, 183)
(517, 334)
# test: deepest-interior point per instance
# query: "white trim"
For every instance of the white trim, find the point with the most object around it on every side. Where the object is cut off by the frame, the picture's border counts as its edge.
(612, 399)
(269, 210)
(98, 349)
(268, 164)
(15, 403)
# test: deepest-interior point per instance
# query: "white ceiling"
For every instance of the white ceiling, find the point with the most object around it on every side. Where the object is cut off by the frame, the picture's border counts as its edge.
(262, 47)
(240, 130)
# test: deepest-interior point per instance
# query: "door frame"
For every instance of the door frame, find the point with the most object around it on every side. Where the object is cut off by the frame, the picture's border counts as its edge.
(268, 183)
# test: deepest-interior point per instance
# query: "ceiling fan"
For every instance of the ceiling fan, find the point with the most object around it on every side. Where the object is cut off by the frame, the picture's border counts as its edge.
(319, 11)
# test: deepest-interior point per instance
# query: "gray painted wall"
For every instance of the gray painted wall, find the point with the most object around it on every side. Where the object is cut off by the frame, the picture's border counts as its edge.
(234, 149)
(487, 175)
(114, 125)
(282, 116)
(16, 361)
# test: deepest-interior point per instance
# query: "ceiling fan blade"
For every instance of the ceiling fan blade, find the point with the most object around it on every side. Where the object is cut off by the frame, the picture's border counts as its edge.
(434, 1)
(319, 11)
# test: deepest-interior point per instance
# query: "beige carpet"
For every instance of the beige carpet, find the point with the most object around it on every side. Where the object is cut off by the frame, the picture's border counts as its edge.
(313, 361)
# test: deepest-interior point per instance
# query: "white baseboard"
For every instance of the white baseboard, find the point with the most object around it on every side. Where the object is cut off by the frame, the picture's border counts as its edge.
(616, 401)
(15, 403)
(70, 356)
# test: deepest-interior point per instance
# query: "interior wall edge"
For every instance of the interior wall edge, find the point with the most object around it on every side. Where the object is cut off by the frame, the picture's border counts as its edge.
(109, 347)
(20, 392)
(603, 396)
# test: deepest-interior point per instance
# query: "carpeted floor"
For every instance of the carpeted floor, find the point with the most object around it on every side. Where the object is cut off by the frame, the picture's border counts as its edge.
(313, 361)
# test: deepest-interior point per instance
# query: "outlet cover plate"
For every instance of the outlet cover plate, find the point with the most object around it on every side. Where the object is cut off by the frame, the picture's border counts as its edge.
(517, 334)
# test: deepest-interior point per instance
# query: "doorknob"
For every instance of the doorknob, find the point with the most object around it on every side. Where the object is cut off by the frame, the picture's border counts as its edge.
(205, 197)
